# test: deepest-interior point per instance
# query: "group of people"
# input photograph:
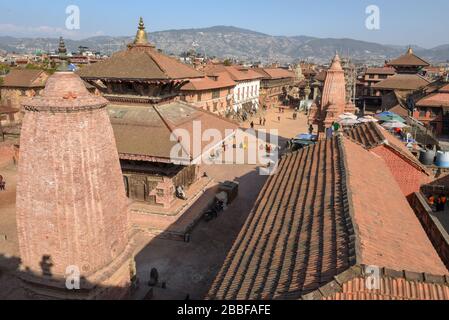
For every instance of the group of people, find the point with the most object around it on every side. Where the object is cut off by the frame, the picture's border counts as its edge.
(262, 122)
(2, 184)
(438, 202)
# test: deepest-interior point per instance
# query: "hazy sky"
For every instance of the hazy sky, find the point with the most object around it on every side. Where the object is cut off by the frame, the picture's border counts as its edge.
(402, 22)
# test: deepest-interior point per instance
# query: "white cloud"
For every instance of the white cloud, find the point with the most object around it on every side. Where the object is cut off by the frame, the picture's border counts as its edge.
(13, 30)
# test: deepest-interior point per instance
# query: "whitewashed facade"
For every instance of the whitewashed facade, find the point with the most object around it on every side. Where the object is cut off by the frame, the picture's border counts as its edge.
(246, 95)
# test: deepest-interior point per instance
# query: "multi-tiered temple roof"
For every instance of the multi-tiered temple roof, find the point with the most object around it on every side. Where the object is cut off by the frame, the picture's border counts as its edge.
(140, 61)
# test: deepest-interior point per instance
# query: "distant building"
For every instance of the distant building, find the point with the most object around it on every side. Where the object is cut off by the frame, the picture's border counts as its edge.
(275, 86)
(433, 111)
(247, 89)
(143, 87)
(407, 79)
(19, 84)
(371, 97)
(213, 93)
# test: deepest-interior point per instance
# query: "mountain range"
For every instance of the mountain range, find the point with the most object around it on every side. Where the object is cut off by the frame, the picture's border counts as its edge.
(241, 44)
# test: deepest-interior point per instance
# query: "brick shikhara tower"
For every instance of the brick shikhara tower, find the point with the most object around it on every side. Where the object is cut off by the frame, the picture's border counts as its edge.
(71, 203)
(333, 102)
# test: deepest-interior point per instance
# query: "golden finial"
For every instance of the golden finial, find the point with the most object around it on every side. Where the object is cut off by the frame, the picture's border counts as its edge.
(410, 50)
(141, 36)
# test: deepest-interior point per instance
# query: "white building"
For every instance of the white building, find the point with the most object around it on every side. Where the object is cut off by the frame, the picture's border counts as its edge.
(246, 92)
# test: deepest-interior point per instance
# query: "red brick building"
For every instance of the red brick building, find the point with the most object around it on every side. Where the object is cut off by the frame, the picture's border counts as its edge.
(275, 86)
(213, 93)
(408, 172)
(433, 111)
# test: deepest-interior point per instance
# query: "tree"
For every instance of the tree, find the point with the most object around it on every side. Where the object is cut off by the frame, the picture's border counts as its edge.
(227, 62)
(4, 69)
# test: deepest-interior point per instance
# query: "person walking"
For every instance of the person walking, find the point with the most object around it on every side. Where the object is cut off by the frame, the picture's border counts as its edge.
(252, 124)
(311, 129)
(443, 202)
(260, 121)
(264, 121)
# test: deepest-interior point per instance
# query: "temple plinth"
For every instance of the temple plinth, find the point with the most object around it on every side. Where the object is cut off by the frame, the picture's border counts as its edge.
(71, 202)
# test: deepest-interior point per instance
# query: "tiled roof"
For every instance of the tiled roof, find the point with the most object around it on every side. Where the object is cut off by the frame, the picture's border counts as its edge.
(385, 70)
(392, 285)
(299, 235)
(402, 82)
(275, 73)
(237, 73)
(435, 100)
(144, 131)
(216, 81)
(370, 135)
(328, 209)
(24, 78)
(440, 98)
(409, 59)
(140, 63)
(321, 76)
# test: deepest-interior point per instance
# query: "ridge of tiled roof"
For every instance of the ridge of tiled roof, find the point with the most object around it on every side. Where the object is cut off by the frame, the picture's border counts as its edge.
(314, 223)
(368, 135)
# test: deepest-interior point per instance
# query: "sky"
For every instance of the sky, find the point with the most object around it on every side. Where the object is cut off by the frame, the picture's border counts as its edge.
(402, 22)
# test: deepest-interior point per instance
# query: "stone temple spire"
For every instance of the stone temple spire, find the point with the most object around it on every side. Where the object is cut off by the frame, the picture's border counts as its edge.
(141, 36)
(62, 51)
(71, 202)
(333, 102)
(336, 63)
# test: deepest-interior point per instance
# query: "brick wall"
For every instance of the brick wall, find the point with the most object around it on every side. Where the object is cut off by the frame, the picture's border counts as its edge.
(436, 233)
(409, 178)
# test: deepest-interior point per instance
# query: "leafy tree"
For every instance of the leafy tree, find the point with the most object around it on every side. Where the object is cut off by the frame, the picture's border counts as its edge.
(227, 62)
(4, 69)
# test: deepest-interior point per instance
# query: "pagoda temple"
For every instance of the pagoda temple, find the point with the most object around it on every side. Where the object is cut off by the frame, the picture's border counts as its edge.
(408, 63)
(143, 88)
(406, 81)
(334, 101)
(72, 213)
